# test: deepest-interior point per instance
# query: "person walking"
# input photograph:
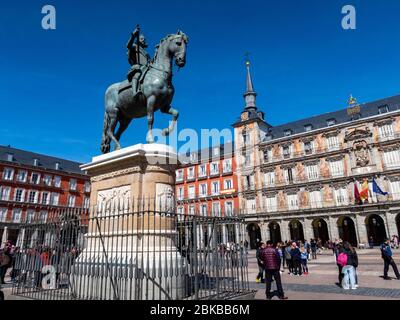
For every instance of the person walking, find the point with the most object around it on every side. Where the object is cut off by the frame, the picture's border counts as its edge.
(304, 259)
(288, 258)
(296, 259)
(271, 262)
(349, 281)
(260, 275)
(313, 246)
(387, 256)
(340, 265)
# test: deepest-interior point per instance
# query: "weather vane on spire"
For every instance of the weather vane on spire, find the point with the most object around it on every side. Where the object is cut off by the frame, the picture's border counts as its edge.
(352, 101)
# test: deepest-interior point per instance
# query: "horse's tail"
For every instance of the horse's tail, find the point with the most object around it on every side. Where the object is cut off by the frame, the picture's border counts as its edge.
(105, 142)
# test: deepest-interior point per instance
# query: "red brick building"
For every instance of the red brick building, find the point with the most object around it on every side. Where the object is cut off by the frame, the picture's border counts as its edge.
(34, 187)
(207, 184)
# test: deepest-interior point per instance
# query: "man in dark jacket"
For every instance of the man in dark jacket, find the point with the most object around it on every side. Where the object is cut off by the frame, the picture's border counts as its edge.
(296, 259)
(260, 276)
(272, 262)
(387, 257)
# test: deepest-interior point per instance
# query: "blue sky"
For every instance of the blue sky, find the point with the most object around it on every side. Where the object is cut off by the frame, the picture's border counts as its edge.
(52, 83)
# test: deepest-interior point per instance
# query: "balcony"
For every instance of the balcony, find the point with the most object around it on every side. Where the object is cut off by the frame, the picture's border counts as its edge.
(179, 178)
(214, 173)
(191, 178)
(227, 170)
(388, 137)
(202, 175)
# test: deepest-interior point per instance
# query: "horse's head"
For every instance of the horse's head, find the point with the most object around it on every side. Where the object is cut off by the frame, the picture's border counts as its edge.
(177, 47)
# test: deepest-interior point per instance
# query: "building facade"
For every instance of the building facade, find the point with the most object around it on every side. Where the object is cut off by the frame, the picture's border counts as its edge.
(297, 181)
(206, 184)
(35, 187)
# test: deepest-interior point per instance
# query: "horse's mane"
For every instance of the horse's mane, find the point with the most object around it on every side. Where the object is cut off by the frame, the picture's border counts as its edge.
(167, 37)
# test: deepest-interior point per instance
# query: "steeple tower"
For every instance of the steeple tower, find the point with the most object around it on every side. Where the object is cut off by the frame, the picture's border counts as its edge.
(250, 95)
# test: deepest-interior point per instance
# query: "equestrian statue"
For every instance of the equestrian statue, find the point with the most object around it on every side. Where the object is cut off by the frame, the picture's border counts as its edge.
(148, 87)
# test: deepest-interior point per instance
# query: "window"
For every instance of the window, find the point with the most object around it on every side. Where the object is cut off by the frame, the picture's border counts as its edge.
(22, 175)
(251, 206)
(337, 168)
(330, 122)
(72, 184)
(3, 214)
(202, 170)
(86, 203)
(228, 209)
(227, 165)
(54, 199)
(191, 192)
(180, 193)
(341, 196)
(271, 204)
(215, 188)
(216, 209)
(333, 143)
(214, 168)
(16, 215)
(35, 178)
(287, 133)
(5, 193)
(268, 137)
(57, 166)
(47, 180)
(190, 173)
(8, 174)
(308, 147)
(43, 217)
(10, 157)
(87, 186)
(33, 196)
(267, 155)
(71, 201)
(57, 181)
(292, 202)
(383, 109)
(45, 197)
(312, 172)
(308, 128)
(269, 178)
(191, 210)
(35, 162)
(19, 195)
(203, 210)
(386, 132)
(203, 190)
(395, 187)
(30, 216)
(228, 185)
(249, 182)
(286, 151)
(246, 138)
(391, 158)
(288, 175)
(315, 199)
(179, 175)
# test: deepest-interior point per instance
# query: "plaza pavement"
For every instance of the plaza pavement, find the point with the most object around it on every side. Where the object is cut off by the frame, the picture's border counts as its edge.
(320, 283)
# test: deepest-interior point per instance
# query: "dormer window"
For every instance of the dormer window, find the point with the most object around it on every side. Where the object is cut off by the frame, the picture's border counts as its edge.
(35, 162)
(308, 127)
(268, 137)
(383, 109)
(288, 132)
(331, 122)
(10, 157)
(57, 166)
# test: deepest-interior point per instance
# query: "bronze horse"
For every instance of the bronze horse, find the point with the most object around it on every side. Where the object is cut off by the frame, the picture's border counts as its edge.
(156, 94)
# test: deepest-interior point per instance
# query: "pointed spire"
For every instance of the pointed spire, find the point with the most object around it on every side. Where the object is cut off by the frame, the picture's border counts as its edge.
(250, 95)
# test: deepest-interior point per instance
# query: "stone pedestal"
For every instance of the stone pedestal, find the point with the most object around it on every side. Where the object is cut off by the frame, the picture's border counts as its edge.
(131, 240)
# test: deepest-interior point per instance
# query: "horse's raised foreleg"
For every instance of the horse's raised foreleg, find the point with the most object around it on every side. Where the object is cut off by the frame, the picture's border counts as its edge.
(175, 115)
(150, 119)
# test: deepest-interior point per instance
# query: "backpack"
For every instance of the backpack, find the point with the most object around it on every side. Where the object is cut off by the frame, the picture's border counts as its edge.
(342, 259)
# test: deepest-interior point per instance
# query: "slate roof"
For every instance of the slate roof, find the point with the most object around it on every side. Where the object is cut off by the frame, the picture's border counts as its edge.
(320, 121)
(45, 162)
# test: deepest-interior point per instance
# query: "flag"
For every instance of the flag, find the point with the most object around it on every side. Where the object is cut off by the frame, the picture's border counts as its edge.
(357, 198)
(364, 191)
(377, 189)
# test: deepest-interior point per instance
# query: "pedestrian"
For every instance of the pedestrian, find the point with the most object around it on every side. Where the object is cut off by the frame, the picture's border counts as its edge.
(340, 265)
(308, 248)
(5, 263)
(387, 256)
(282, 254)
(349, 281)
(304, 259)
(260, 275)
(296, 259)
(271, 262)
(313, 245)
(371, 242)
(355, 264)
(288, 258)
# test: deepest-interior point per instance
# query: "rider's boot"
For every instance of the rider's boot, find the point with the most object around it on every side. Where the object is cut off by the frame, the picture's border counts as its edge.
(134, 86)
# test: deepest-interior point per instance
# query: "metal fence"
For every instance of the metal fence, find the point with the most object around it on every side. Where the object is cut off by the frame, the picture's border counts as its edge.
(116, 254)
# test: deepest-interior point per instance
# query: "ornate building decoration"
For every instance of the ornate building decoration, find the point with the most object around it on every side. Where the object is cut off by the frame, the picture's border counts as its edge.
(113, 201)
(361, 154)
(165, 198)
